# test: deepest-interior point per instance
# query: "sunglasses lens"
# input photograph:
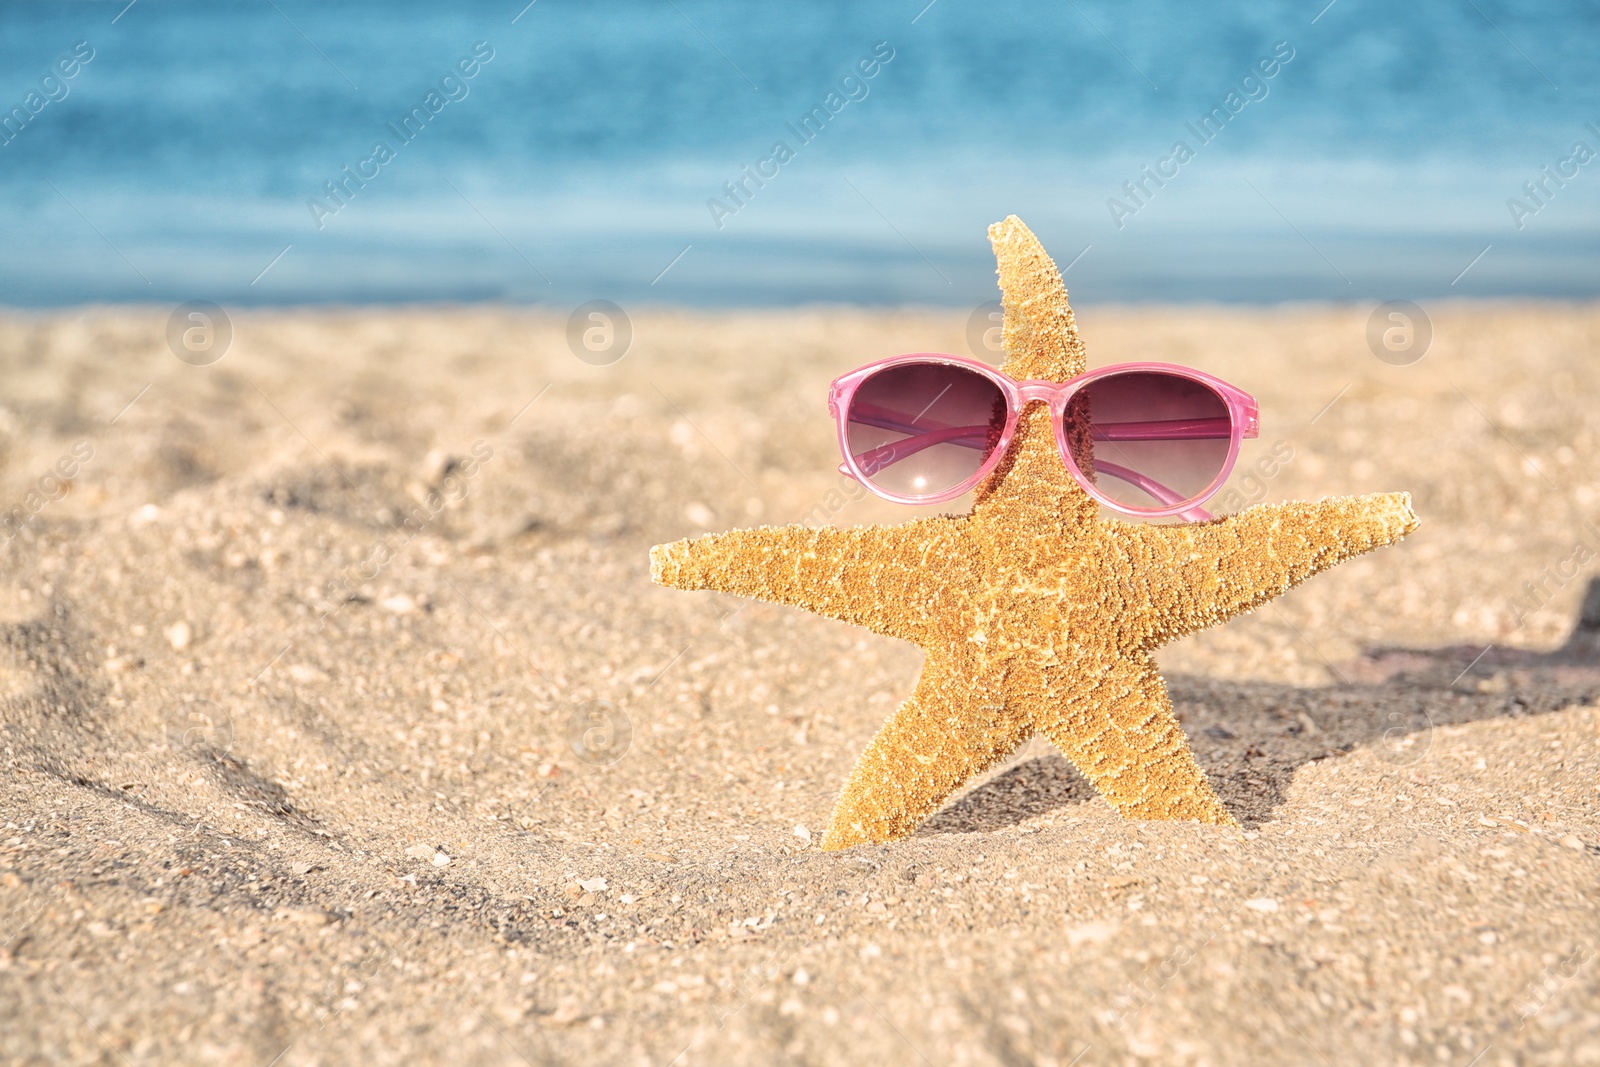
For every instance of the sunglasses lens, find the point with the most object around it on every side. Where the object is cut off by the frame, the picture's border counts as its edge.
(918, 430)
(1153, 439)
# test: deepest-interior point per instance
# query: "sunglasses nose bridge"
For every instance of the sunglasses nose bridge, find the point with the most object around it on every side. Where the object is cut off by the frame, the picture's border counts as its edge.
(1044, 392)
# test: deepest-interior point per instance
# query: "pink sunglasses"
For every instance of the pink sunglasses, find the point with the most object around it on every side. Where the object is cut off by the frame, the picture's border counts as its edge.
(923, 428)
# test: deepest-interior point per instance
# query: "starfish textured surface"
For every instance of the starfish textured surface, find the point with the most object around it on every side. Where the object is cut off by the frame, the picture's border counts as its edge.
(1034, 613)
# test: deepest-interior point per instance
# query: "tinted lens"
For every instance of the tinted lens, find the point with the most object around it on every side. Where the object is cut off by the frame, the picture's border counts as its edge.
(921, 429)
(1153, 439)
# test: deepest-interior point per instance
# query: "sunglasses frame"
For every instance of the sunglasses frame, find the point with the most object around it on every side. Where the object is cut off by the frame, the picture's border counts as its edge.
(1243, 415)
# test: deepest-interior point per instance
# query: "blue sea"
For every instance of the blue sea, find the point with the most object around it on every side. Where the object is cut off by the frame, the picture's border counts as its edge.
(725, 154)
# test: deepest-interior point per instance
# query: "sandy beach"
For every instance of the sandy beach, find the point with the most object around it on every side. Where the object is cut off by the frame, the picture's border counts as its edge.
(341, 723)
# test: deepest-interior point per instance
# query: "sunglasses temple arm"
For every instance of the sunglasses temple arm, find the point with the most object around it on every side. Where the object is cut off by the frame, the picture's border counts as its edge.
(875, 459)
(1164, 430)
(1153, 487)
(871, 415)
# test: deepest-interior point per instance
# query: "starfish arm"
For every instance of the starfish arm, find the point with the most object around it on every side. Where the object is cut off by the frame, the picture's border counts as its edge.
(948, 730)
(885, 578)
(1040, 332)
(1112, 718)
(1198, 575)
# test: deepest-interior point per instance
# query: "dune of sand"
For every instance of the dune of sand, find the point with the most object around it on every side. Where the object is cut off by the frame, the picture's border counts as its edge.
(341, 723)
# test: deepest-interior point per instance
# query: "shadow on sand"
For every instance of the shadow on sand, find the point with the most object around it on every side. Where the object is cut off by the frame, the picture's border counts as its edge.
(1251, 737)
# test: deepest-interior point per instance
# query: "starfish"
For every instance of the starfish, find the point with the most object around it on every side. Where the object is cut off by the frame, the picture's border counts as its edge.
(1034, 613)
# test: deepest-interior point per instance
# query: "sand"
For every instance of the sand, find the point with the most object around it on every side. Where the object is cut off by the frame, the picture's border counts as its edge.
(304, 765)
